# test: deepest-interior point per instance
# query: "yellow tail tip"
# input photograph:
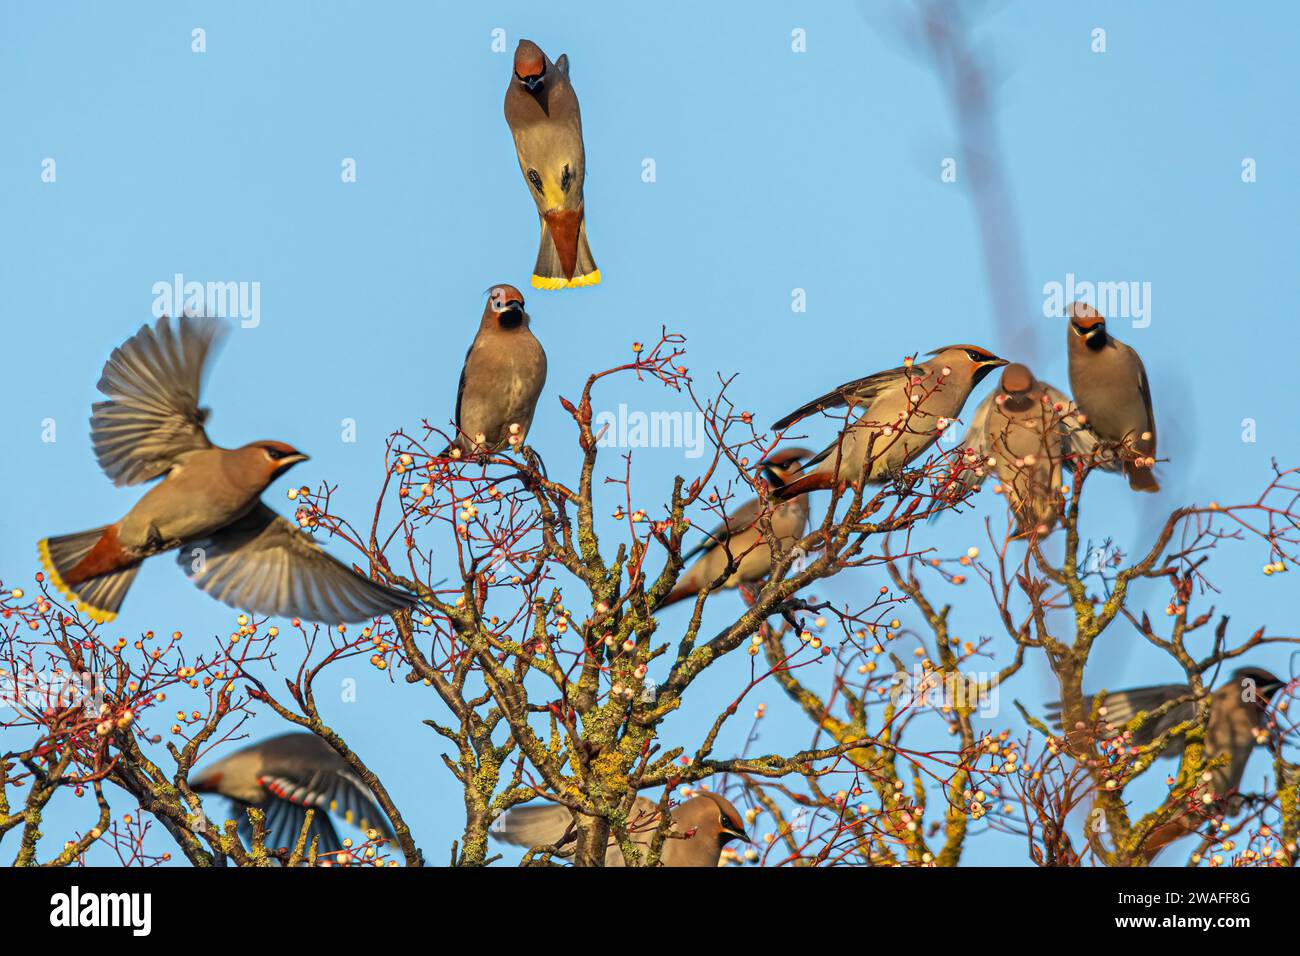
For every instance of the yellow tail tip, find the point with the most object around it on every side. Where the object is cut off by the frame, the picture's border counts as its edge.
(552, 283)
(96, 614)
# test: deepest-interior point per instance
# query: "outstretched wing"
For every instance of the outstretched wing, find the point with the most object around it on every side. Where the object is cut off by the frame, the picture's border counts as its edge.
(1123, 705)
(284, 822)
(152, 419)
(861, 391)
(262, 563)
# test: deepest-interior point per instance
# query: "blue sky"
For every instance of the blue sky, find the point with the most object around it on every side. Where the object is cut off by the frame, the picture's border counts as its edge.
(775, 170)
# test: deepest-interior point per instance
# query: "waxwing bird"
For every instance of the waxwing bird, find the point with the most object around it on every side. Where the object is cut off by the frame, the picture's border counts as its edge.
(903, 411)
(503, 376)
(1024, 432)
(703, 826)
(208, 504)
(542, 112)
(286, 776)
(739, 540)
(1236, 725)
(1110, 386)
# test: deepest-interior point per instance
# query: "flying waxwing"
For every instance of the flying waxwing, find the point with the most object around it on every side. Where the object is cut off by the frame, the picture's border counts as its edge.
(933, 391)
(1024, 431)
(1111, 389)
(503, 376)
(1236, 725)
(286, 776)
(703, 824)
(208, 505)
(542, 112)
(739, 539)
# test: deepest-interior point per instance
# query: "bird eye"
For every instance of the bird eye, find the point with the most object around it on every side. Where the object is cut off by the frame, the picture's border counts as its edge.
(536, 180)
(274, 454)
(566, 179)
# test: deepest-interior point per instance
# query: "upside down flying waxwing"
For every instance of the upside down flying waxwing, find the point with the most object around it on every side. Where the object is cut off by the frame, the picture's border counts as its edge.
(1110, 386)
(1027, 429)
(286, 776)
(901, 412)
(739, 540)
(703, 826)
(505, 370)
(1236, 726)
(208, 504)
(542, 112)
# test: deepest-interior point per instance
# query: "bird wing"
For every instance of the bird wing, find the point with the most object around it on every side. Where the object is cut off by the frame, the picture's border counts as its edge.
(1123, 705)
(739, 520)
(543, 825)
(460, 389)
(264, 564)
(328, 790)
(284, 821)
(152, 419)
(1144, 385)
(976, 436)
(861, 391)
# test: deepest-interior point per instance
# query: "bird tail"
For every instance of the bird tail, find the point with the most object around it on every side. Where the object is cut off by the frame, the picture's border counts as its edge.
(88, 568)
(681, 592)
(1140, 478)
(817, 481)
(533, 826)
(564, 259)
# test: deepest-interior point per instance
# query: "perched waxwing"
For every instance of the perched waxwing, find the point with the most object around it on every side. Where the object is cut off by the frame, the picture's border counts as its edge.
(542, 112)
(286, 776)
(1024, 432)
(1111, 389)
(738, 541)
(208, 505)
(901, 413)
(503, 376)
(703, 826)
(1236, 725)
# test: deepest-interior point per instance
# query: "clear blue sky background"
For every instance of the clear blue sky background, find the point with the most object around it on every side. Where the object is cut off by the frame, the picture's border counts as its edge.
(775, 170)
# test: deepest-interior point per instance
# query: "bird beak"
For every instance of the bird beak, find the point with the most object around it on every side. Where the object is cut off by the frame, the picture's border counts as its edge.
(740, 835)
(994, 362)
(294, 459)
(516, 305)
(531, 82)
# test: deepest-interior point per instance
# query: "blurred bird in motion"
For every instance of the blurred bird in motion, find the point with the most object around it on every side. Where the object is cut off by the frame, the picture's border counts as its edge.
(739, 543)
(542, 112)
(503, 376)
(1111, 388)
(902, 412)
(1237, 724)
(208, 505)
(286, 776)
(701, 827)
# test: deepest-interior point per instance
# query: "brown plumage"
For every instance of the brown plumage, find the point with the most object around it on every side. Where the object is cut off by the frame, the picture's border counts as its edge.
(542, 111)
(702, 826)
(286, 776)
(900, 414)
(208, 505)
(503, 376)
(738, 541)
(1024, 432)
(1237, 718)
(1111, 388)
